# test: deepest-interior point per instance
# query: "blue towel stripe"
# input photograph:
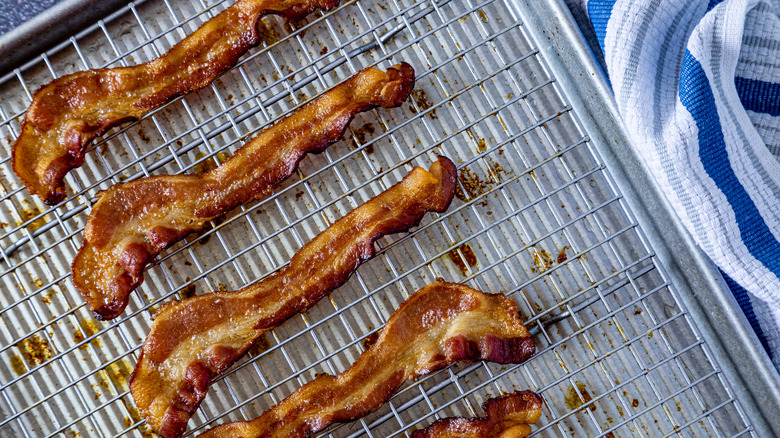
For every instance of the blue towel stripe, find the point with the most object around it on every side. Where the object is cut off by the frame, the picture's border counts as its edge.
(697, 97)
(599, 13)
(703, 173)
(759, 96)
(713, 3)
(747, 306)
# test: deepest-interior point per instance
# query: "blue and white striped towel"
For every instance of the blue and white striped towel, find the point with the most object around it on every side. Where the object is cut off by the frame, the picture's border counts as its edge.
(698, 86)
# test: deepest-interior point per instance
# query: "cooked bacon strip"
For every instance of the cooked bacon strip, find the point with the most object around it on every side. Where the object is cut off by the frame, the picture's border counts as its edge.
(508, 416)
(134, 221)
(194, 340)
(69, 112)
(441, 324)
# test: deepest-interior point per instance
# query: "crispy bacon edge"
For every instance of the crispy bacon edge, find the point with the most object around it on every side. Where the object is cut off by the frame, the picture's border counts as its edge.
(441, 324)
(69, 112)
(167, 399)
(131, 222)
(507, 416)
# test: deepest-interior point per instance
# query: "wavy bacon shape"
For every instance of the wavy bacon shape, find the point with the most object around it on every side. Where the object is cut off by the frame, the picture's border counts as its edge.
(507, 416)
(69, 112)
(195, 340)
(441, 324)
(134, 221)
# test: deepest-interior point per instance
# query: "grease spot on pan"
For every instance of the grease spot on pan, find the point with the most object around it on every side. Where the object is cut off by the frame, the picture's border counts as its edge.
(463, 257)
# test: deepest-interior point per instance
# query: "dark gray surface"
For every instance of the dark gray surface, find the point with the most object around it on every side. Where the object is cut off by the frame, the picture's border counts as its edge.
(49, 28)
(15, 12)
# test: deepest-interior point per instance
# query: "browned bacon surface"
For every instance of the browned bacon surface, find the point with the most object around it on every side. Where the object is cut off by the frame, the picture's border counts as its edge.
(69, 112)
(508, 416)
(134, 221)
(194, 340)
(441, 324)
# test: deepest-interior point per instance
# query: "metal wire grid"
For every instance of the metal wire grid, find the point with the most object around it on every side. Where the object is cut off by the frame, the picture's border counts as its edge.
(537, 217)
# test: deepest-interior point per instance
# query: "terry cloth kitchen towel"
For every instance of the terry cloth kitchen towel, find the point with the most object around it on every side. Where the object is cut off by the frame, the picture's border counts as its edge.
(698, 87)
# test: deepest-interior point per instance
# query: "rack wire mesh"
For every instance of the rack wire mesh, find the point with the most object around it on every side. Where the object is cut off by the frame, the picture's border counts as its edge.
(537, 216)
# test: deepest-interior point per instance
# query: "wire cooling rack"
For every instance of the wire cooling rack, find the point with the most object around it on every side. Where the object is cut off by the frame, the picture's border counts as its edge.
(537, 216)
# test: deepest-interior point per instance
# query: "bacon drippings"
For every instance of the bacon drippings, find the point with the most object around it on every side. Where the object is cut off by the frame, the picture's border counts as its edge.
(441, 324)
(508, 416)
(195, 340)
(69, 112)
(134, 221)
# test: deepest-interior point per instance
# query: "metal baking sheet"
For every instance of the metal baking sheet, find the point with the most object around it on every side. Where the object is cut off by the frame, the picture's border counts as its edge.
(544, 213)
